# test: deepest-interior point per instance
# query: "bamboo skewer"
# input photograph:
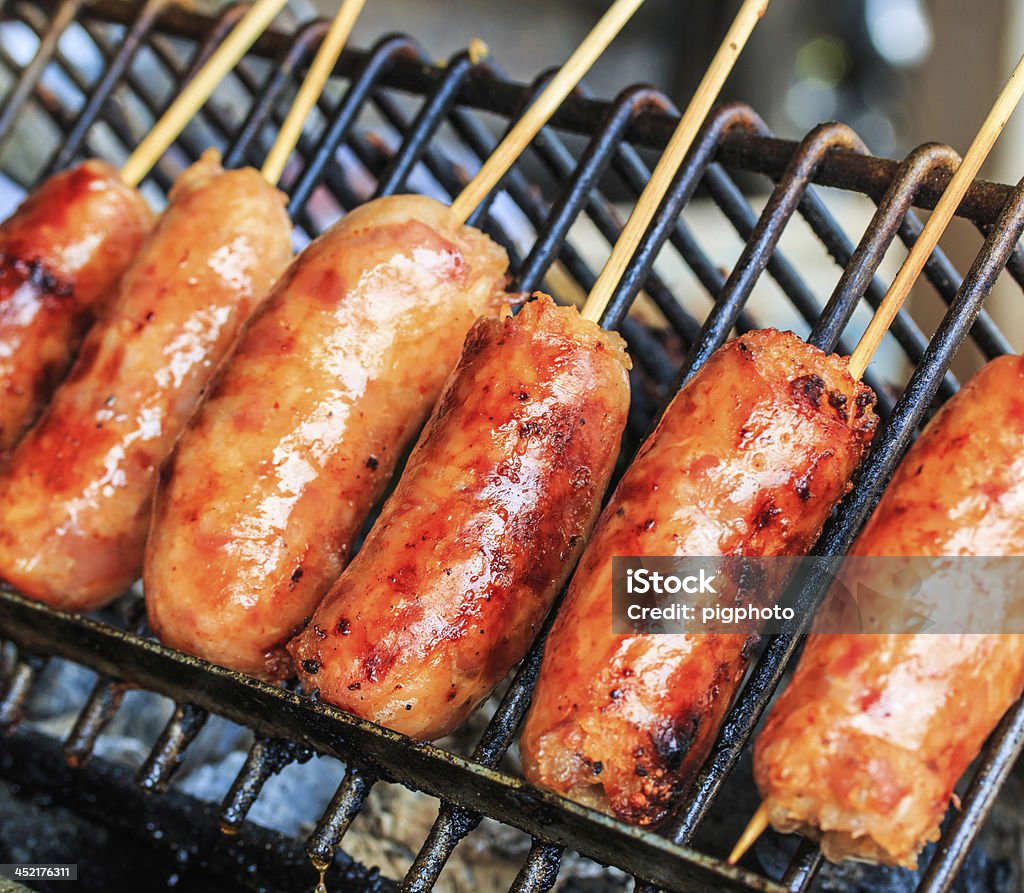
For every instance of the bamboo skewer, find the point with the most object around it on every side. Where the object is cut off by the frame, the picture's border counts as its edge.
(319, 71)
(1004, 106)
(259, 17)
(946, 207)
(537, 115)
(755, 828)
(199, 89)
(675, 152)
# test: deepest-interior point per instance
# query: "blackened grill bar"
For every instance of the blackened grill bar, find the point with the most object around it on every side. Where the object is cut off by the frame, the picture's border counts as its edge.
(284, 715)
(289, 726)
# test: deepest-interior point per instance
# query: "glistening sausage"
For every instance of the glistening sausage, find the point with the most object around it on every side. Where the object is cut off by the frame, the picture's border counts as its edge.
(258, 509)
(75, 498)
(478, 537)
(864, 747)
(61, 254)
(749, 459)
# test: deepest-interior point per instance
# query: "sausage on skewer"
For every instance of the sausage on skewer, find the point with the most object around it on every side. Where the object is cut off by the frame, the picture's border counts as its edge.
(864, 747)
(449, 588)
(372, 317)
(526, 479)
(749, 459)
(63, 252)
(258, 509)
(61, 255)
(75, 497)
(379, 341)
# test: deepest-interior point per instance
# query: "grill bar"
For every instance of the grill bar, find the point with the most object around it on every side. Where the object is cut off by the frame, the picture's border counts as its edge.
(284, 72)
(155, 773)
(99, 95)
(805, 864)
(371, 70)
(179, 75)
(892, 209)
(579, 190)
(101, 707)
(116, 121)
(290, 728)
(267, 756)
(24, 674)
(437, 106)
(26, 84)
(346, 804)
(277, 713)
(540, 870)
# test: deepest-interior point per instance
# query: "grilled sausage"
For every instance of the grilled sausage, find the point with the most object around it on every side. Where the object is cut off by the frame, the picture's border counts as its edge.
(864, 747)
(75, 498)
(502, 489)
(61, 254)
(268, 488)
(749, 459)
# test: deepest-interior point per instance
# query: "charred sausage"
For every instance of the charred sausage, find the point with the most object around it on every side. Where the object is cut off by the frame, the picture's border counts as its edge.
(481, 531)
(75, 498)
(749, 459)
(863, 748)
(258, 509)
(61, 254)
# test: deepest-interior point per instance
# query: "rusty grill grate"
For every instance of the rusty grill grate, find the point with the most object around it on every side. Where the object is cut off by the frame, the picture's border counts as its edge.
(99, 73)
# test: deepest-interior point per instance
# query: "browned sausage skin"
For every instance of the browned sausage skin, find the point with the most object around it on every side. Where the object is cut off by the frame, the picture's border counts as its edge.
(61, 254)
(75, 497)
(502, 489)
(257, 512)
(863, 748)
(749, 459)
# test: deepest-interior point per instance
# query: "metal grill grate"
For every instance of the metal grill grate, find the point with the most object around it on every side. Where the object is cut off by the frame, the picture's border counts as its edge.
(390, 122)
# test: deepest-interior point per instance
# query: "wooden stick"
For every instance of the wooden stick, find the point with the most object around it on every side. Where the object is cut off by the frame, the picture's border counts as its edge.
(959, 183)
(323, 64)
(198, 90)
(755, 828)
(675, 152)
(537, 115)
